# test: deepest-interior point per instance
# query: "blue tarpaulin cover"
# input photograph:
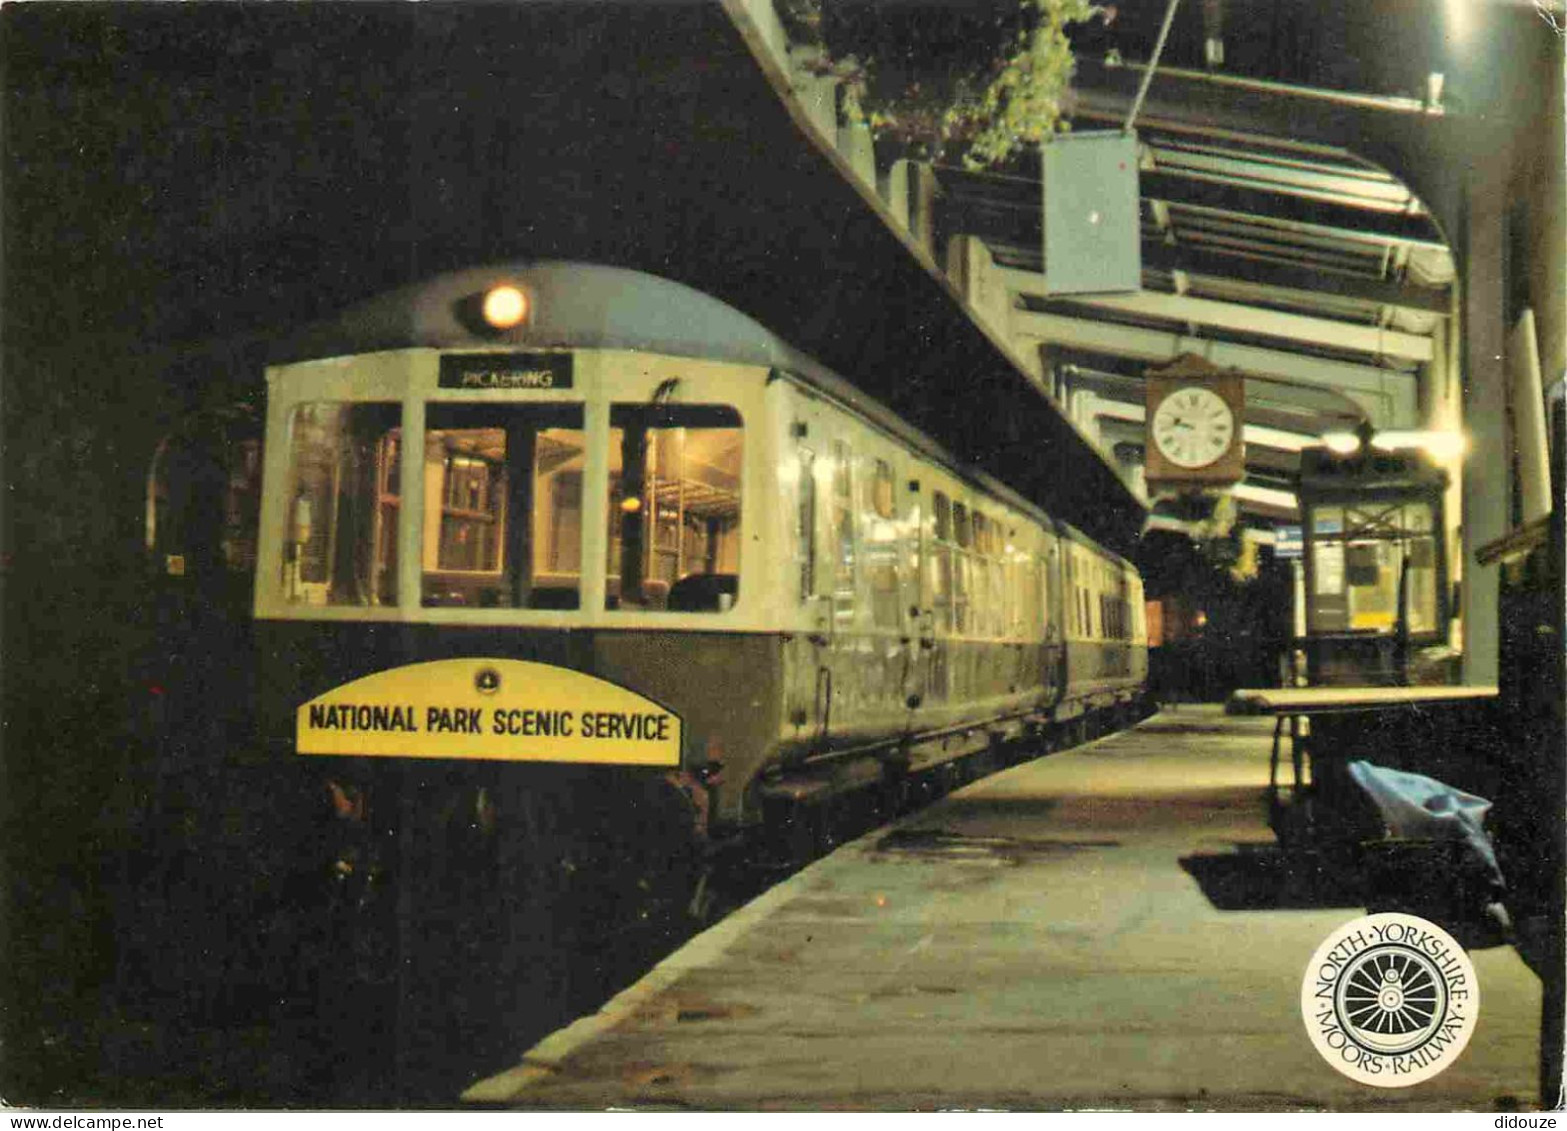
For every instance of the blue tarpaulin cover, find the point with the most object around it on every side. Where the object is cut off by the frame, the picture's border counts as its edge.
(1421, 808)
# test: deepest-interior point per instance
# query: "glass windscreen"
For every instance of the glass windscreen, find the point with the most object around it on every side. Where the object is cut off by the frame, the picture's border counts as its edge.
(503, 506)
(340, 530)
(674, 508)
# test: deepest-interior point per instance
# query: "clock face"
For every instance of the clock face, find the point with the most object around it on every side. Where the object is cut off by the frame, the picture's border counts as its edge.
(1193, 427)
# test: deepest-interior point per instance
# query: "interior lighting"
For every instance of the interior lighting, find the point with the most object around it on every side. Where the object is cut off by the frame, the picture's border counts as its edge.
(505, 307)
(1341, 443)
(631, 504)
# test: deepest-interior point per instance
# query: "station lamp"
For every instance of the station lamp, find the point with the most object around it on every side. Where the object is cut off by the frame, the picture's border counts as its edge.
(1437, 443)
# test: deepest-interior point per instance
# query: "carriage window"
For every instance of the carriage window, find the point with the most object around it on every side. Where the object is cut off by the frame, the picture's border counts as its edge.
(340, 537)
(503, 506)
(845, 564)
(805, 524)
(881, 490)
(941, 575)
(880, 547)
(674, 508)
(963, 570)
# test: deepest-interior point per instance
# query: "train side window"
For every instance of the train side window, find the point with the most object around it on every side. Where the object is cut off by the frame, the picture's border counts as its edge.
(881, 490)
(805, 524)
(984, 604)
(941, 575)
(674, 508)
(503, 506)
(340, 542)
(1030, 623)
(963, 571)
(879, 546)
(845, 565)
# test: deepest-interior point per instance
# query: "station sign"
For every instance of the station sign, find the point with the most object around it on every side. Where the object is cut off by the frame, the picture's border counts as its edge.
(520, 371)
(490, 710)
(1288, 542)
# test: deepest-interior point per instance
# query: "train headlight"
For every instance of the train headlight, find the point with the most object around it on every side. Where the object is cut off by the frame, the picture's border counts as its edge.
(504, 307)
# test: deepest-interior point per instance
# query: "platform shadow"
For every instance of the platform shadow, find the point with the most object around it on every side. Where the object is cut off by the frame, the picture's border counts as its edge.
(1264, 877)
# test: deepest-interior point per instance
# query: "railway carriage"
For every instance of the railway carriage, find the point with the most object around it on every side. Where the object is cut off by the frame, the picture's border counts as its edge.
(562, 579)
(576, 516)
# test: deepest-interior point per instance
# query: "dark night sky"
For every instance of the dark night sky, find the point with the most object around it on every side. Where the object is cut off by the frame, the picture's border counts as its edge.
(182, 172)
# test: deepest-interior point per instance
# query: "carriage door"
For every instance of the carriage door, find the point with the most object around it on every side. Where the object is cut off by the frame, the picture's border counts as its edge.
(809, 663)
(914, 604)
(1055, 610)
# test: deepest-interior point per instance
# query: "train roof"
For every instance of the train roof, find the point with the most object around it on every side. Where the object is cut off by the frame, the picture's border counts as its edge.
(595, 306)
(578, 305)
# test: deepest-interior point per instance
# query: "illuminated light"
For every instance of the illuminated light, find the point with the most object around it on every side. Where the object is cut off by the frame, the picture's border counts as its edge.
(631, 504)
(1442, 445)
(1341, 443)
(1460, 20)
(881, 901)
(1267, 496)
(1447, 445)
(505, 307)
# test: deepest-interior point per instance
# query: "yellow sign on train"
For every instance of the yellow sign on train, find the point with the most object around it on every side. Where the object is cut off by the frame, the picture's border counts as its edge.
(494, 710)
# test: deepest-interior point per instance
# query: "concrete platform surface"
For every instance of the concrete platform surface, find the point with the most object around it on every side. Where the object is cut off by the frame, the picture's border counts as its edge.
(1103, 928)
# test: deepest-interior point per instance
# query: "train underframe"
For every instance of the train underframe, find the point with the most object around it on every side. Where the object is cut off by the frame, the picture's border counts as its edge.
(374, 897)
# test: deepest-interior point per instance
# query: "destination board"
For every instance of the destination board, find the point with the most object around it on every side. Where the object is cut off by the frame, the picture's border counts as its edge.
(520, 371)
(492, 710)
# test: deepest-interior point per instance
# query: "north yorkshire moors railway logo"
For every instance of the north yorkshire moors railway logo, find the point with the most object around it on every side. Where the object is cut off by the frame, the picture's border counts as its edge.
(1390, 1000)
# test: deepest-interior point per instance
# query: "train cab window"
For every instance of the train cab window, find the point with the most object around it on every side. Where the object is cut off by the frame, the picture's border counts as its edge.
(340, 535)
(503, 506)
(674, 508)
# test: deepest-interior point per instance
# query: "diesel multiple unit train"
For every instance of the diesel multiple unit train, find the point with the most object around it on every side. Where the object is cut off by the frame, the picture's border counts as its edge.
(547, 543)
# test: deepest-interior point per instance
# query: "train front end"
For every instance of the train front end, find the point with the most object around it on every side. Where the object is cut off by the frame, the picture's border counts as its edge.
(508, 600)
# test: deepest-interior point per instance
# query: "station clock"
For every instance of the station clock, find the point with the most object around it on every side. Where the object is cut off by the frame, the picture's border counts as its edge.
(1194, 419)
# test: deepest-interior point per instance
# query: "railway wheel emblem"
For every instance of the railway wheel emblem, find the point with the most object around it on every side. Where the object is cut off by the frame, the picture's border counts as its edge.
(1390, 1000)
(487, 681)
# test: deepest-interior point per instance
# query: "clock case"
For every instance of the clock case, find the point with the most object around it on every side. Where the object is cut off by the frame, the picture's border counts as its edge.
(1185, 372)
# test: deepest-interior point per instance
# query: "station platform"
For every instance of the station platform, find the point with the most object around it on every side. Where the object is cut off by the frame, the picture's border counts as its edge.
(1105, 928)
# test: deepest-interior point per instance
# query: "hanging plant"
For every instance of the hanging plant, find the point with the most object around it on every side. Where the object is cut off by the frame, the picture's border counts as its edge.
(1022, 104)
(1017, 102)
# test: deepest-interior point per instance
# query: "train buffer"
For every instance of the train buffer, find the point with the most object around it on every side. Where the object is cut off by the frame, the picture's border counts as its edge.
(1110, 927)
